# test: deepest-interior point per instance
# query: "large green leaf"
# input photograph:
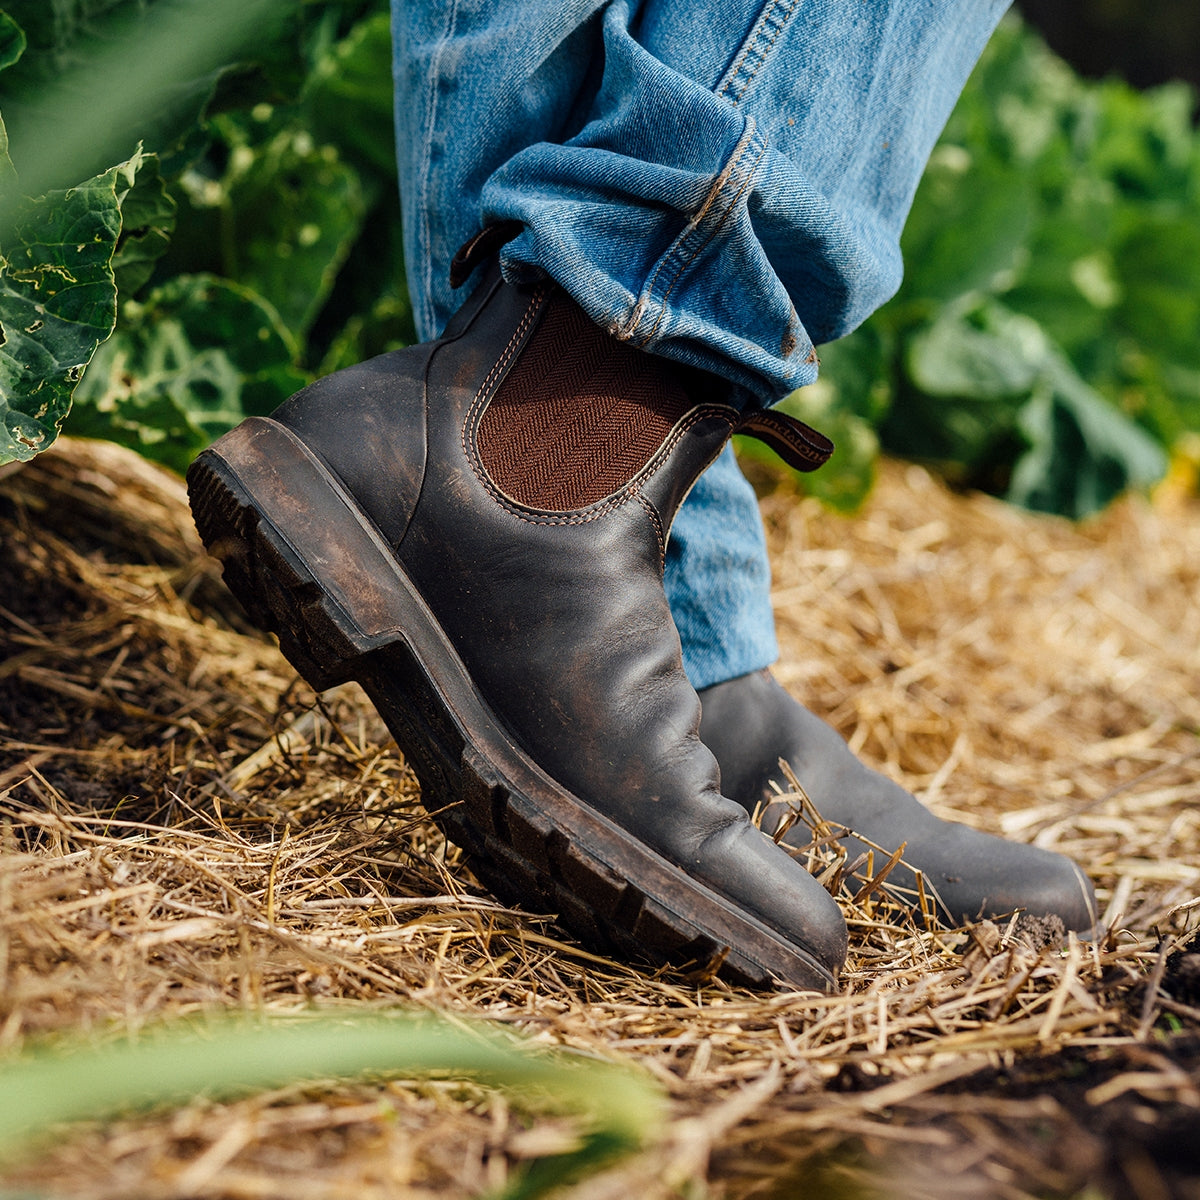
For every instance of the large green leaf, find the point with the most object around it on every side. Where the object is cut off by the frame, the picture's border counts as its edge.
(981, 352)
(187, 363)
(348, 100)
(966, 376)
(57, 302)
(615, 1109)
(147, 220)
(293, 210)
(1082, 452)
(970, 219)
(1158, 266)
(1070, 287)
(8, 173)
(988, 387)
(12, 41)
(103, 75)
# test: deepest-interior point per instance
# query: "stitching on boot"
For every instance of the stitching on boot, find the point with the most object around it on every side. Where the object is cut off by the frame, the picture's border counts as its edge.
(652, 513)
(577, 416)
(500, 365)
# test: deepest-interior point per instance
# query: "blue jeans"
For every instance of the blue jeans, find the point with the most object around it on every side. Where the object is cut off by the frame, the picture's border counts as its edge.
(722, 183)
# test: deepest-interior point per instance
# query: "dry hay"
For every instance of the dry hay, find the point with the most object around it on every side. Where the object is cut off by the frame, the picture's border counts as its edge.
(183, 826)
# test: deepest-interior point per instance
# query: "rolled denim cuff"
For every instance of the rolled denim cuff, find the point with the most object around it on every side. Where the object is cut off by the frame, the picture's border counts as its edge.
(651, 218)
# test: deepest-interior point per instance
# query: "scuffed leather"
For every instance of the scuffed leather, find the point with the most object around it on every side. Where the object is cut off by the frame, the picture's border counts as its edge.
(560, 618)
(368, 423)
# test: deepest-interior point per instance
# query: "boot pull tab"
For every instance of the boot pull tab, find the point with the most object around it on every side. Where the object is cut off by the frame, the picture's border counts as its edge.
(480, 248)
(799, 445)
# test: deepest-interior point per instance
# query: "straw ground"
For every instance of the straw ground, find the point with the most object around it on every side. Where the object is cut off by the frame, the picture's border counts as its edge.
(185, 827)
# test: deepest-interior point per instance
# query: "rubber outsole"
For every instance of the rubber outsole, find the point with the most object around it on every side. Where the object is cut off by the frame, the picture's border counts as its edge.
(308, 566)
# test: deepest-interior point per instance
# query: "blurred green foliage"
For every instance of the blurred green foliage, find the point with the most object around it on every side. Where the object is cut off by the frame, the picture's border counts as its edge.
(1043, 345)
(257, 247)
(220, 1056)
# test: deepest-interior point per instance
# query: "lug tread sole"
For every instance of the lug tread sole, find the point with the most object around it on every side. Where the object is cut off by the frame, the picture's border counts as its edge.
(521, 843)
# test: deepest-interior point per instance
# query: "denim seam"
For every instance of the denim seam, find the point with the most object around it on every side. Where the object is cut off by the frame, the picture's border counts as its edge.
(431, 107)
(770, 25)
(627, 329)
(698, 235)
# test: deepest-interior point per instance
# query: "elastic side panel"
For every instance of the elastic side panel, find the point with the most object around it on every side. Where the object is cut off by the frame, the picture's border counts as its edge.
(578, 415)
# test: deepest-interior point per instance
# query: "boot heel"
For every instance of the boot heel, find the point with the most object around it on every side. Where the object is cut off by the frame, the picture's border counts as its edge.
(301, 559)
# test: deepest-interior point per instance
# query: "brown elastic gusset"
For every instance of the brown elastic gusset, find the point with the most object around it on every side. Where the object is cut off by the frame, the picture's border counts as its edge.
(578, 415)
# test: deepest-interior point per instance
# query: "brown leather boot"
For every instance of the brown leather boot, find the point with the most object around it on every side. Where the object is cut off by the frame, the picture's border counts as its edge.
(752, 722)
(474, 530)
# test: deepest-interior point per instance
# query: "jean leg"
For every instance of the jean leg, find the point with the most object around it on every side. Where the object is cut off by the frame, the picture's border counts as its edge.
(721, 183)
(718, 578)
(476, 82)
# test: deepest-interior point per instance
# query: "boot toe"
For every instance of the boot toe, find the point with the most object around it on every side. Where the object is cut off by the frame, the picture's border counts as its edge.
(752, 722)
(738, 861)
(977, 875)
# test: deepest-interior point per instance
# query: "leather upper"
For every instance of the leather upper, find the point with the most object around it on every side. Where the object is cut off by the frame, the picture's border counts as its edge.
(559, 617)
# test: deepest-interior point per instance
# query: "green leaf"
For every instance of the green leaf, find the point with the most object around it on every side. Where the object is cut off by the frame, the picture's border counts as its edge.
(618, 1109)
(368, 311)
(348, 100)
(8, 173)
(858, 369)
(12, 41)
(188, 363)
(988, 388)
(147, 220)
(970, 219)
(966, 376)
(1069, 286)
(985, 353)
(57, 303)
(106, 76)
(295, 210)
(1082, 452)
(1158, 266)
(1143, 141)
